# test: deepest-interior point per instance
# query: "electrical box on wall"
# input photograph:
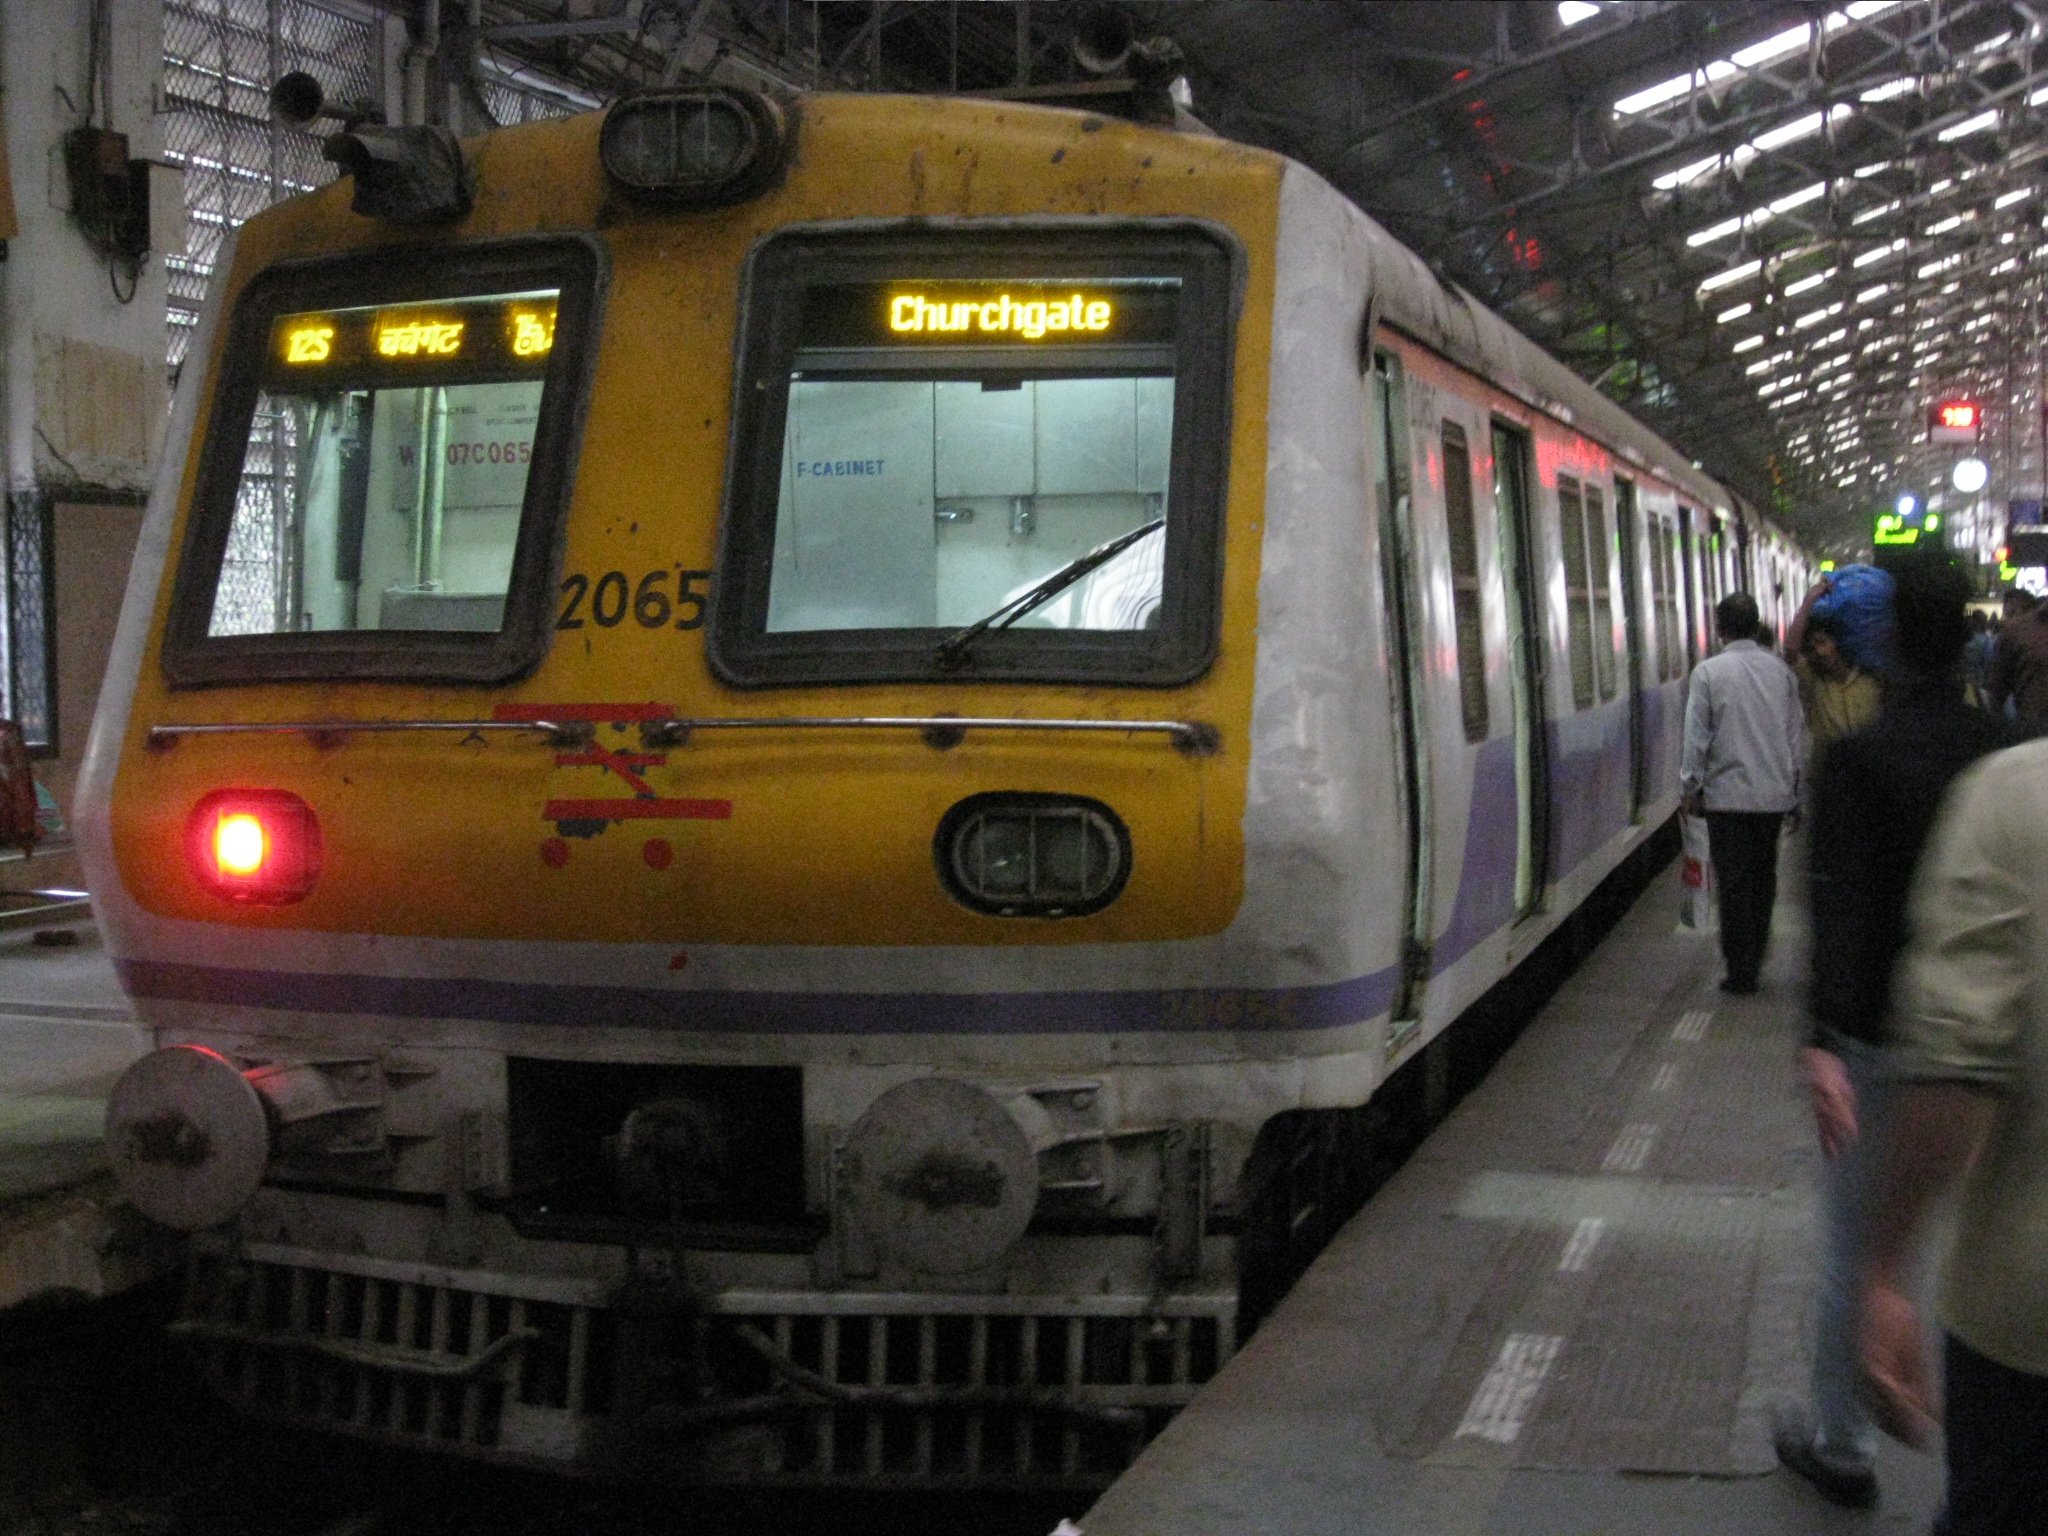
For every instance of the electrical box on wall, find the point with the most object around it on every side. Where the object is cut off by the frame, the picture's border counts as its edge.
(119, 202)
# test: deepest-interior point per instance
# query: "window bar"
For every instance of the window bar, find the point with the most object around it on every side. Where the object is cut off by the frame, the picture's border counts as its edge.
(297, 1322)
(579, 1352)
(1183, 1350)
(473, 1390)
(333, 1312)
(373, 1317)
(1027, 1376)
(437, 1337)
(927, 1375)
(878, 1375)
(1070, 1432)
(408, 1327)
(977, 1376)
(774, 1454)
(525, 1385)
(828, 1363)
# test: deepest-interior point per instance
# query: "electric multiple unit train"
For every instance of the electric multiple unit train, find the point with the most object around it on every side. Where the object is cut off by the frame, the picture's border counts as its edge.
(785, 780)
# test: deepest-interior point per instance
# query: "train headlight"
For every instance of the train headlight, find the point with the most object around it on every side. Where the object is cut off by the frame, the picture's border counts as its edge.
(255, 845)
(697, 148)
(1033, 855)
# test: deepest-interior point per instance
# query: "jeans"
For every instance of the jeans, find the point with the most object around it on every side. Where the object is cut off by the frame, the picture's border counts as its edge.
(1744, 845)
(1997, 1423)
(1844, 1434)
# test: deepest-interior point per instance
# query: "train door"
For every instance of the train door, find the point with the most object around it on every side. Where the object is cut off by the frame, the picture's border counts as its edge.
(1513, 516)
(1393, 482)
(1627, 517)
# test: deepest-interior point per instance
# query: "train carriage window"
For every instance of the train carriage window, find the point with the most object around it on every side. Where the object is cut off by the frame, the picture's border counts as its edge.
(1578, 594)
(994, 454)
(1464, 542)
(1600, 585)
(1664, 591)
(381, 491)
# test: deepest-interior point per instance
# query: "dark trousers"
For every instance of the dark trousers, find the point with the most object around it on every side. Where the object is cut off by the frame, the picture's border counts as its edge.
(1744, 848)
(1997, 1426)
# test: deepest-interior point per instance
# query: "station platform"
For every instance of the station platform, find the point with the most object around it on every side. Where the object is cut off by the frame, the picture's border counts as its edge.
(1572, 1312)
(66, 1032)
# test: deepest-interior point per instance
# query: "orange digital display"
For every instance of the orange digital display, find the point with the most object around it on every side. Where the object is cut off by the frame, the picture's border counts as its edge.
(1957, 414)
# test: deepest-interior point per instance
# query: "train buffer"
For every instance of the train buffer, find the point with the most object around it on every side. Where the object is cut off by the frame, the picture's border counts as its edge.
(1575, 1309)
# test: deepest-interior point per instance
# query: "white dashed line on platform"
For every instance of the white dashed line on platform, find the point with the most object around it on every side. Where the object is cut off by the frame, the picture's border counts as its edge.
(1504, 1396)
(1666, 1078)
(1631, 1148)
(1692, 1026)
(1579, 1251)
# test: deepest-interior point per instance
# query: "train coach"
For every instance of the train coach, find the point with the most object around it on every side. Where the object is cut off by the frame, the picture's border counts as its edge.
(794, 785)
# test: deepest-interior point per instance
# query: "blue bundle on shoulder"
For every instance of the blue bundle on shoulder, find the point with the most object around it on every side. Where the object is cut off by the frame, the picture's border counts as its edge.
(1859, 602)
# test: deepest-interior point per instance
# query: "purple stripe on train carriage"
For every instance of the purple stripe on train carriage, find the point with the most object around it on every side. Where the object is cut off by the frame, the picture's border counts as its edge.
(1485, 902)
(1588, 787)
(1186, 1009)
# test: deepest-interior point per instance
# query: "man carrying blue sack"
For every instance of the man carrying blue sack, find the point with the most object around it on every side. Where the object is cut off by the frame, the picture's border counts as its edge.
(1745, 742)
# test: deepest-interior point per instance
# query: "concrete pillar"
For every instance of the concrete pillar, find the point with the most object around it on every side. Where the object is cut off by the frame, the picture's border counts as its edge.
(83, 381)
(83, 396)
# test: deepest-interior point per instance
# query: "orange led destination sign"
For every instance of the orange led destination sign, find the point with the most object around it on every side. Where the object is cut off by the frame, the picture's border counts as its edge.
(1002, 315)
(504, 335)
(410, 338)
(1039, 313)
(308, 344)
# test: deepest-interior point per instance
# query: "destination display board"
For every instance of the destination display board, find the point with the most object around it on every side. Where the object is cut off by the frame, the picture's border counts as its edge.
(492, 336)
(1028, 313)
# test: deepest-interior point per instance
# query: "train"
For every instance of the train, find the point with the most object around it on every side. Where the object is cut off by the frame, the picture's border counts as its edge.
(793, 784)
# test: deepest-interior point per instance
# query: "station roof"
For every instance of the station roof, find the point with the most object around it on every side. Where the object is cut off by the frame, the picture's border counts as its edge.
(1777, 232)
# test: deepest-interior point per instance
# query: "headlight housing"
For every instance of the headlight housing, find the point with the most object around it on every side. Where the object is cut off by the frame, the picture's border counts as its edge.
(1033, 855)
(693, 148)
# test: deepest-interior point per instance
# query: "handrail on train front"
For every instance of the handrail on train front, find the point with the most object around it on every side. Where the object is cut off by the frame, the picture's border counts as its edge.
(1191, 737)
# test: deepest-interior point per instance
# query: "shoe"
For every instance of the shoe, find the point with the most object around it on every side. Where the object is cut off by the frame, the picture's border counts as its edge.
(1738, 988)
(1852, 1486)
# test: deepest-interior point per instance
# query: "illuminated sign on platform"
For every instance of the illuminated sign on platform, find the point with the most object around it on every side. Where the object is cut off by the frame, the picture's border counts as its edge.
(1955, 421)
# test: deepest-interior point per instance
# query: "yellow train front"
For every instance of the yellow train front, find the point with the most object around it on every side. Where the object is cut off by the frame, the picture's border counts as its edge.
(680, 708)
(800, 790)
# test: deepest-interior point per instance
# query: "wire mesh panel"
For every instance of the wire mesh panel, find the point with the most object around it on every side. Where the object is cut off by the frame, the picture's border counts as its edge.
(220, 57)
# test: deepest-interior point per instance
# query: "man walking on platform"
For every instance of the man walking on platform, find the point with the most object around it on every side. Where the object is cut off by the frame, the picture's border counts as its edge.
(1970, 1058)
(1875, 793)
(1744, 744)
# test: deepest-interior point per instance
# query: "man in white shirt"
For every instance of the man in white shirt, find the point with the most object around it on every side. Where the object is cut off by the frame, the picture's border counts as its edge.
(1745, 739)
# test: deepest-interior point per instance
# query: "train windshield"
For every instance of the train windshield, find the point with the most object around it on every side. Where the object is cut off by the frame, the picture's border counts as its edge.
(386, 468)
(929, 486)
(937, 441)
(389, 452)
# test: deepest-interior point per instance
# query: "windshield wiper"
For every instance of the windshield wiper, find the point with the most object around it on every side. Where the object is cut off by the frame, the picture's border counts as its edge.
(952, 650)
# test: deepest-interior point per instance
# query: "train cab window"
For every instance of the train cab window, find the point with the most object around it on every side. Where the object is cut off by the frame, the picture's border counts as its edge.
(1464, 542)
(993, 455)
(1600, 582)
(1578, 595)
(381, 490)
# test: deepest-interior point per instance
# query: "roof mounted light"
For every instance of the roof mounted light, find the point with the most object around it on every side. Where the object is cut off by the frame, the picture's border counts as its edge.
(694, 148)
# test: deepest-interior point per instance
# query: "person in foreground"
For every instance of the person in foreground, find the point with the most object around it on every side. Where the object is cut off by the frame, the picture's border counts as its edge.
(1875, 794)
(1970, 1056)
(1744, 746)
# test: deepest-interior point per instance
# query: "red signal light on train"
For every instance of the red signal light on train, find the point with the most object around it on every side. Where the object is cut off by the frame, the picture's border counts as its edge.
(255, 845)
